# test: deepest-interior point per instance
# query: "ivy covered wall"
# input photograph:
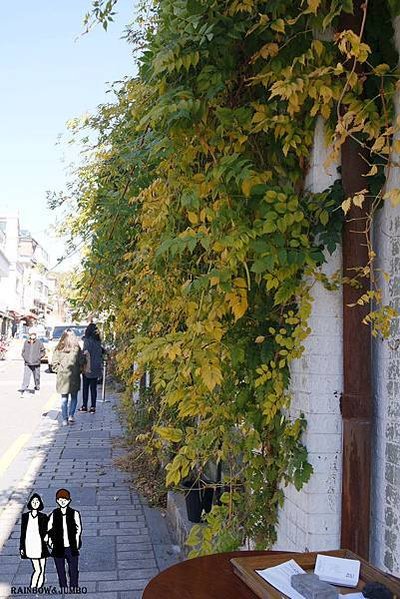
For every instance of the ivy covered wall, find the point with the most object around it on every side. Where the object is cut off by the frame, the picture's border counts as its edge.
(200, 204)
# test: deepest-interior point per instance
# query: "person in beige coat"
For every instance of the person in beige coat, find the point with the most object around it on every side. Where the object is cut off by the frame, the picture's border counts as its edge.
(68, 361)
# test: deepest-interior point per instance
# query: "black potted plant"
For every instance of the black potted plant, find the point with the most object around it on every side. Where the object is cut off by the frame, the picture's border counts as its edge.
(207, 495)
(193, 499)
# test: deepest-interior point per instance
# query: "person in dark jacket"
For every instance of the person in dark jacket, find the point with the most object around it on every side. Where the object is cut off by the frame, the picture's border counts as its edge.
(32, 543)
(32, 352)
(64, 534)
(94, 365)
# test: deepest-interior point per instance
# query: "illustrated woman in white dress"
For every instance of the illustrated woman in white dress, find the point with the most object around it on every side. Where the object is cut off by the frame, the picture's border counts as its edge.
(32, 545)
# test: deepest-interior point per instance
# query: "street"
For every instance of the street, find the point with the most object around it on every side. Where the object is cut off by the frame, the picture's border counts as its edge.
(20, 417)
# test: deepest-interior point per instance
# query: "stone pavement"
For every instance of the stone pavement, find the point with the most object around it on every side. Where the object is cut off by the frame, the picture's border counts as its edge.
(124, 542)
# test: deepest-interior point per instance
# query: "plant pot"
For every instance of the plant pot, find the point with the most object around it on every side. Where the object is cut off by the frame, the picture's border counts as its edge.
(193, 501)
(207, 499)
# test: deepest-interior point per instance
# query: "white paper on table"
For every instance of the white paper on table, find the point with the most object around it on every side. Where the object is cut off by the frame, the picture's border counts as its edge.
(280, 577)
(338, 570)
(352, 596)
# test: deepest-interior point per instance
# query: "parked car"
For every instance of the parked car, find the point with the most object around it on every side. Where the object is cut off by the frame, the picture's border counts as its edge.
(79, 331)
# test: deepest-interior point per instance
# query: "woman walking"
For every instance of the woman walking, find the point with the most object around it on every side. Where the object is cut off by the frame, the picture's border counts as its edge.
(68, 361)
(32, 544)
(93, 368)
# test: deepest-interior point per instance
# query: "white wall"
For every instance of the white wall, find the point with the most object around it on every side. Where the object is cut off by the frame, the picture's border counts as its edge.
(385, 531)
(310, 519)
(9, 297)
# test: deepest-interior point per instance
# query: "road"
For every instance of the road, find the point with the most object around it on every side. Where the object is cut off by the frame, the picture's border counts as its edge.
(19, 417)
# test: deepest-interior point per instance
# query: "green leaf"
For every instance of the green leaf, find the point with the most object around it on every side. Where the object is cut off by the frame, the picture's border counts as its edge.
(348, 6)
(394, 6)
(324, 217)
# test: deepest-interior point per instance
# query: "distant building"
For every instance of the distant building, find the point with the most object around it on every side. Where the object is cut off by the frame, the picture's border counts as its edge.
(4, 272)
(35, 262)
(61, 311)
(24, 277)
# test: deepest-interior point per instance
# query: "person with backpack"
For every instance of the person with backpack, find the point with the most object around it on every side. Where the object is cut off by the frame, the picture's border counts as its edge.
(68, 361)
(32, 352)
(93, 368)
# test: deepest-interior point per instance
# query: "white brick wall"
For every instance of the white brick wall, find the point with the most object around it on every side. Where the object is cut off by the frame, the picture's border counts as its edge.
(385, 529)
(310, 519)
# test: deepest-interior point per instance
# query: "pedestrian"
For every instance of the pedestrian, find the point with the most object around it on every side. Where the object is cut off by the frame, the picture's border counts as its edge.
(64, 533)
(68, 360)
(32, 352)
(93, 368)
(32, 544)
(14, 328)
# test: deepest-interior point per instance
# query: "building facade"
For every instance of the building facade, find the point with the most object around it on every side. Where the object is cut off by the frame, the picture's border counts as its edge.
(4, 272)
(24, 268)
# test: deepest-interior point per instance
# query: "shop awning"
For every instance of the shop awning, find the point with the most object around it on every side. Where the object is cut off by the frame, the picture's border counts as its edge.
(29, 315)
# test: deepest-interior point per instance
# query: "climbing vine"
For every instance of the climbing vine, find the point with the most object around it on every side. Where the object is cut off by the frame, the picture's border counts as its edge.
(205, 239)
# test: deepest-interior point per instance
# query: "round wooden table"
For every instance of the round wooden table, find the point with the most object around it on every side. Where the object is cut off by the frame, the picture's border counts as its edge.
(208, 577)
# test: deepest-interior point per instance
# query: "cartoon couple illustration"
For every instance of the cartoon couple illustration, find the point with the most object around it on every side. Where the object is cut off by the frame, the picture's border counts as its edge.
(61, 533)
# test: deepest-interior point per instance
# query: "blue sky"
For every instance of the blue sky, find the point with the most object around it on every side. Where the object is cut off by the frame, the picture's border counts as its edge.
(48, 77)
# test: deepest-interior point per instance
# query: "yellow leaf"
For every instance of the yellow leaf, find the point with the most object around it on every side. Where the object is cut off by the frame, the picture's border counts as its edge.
(172, 351)
(240, 282)
(359, 198)
(279, 26)
(193, 218)
(381, 69)
(211, 375)
(346, 205)
(325, 111)
(237, 302)
(373, 170)
(313, 6)
(317, 44)
(218, 247)
(268, 50)
(260, 339)
(169, 434)
(198, 177)
(379, 143)
(175, 397)
(394, 196)
(246, 187)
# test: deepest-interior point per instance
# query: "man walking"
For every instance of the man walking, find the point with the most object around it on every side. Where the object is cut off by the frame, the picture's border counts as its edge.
(64, 532)
(32, 353)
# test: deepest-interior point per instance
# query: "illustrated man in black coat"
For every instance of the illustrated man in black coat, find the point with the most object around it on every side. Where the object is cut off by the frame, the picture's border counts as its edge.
(64, 532)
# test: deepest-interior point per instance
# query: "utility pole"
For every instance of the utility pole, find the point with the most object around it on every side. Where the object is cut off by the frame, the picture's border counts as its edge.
(356, 404)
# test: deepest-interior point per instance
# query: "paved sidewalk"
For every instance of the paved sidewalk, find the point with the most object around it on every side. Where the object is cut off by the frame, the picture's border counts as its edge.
(124, 543)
